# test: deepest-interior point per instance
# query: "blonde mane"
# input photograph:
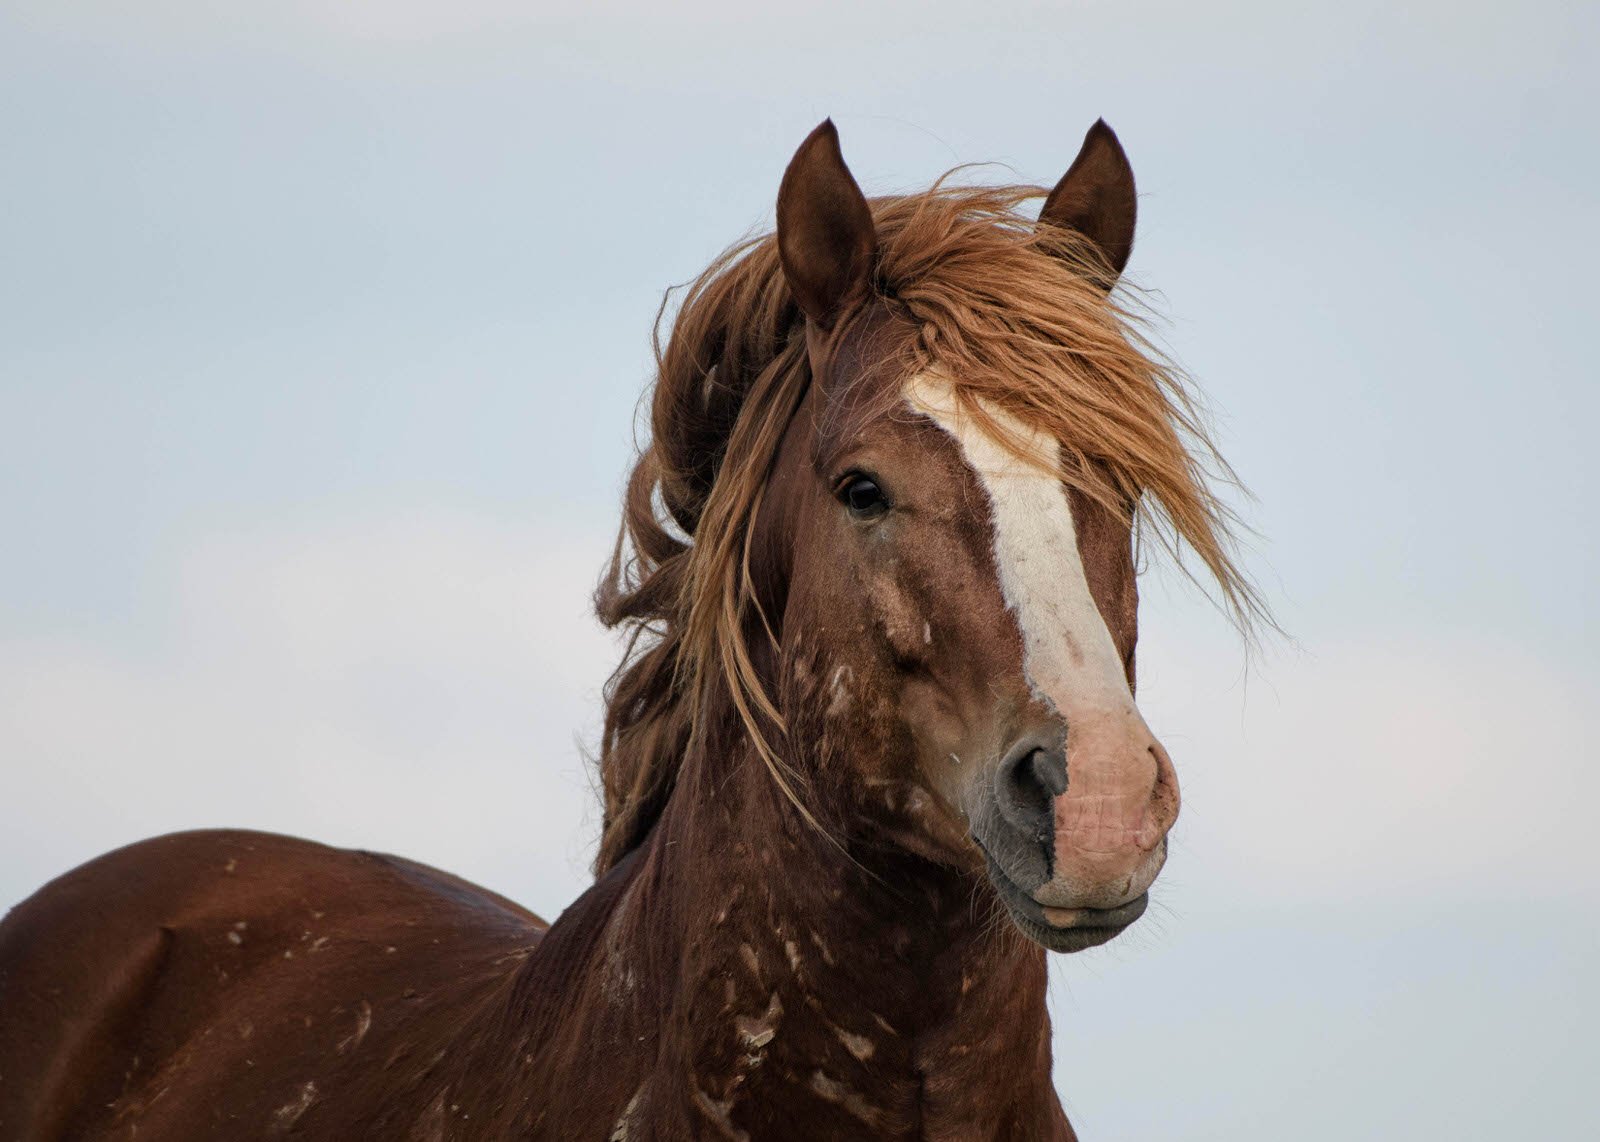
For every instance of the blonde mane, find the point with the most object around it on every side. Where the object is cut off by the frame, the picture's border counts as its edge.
(1006, 309)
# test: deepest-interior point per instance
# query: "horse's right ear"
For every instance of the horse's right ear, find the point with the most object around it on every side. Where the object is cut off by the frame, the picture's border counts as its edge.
(1097, 199)
(826, 239)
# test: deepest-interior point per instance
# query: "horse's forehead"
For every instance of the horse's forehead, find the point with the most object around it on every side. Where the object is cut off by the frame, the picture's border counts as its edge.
(861, 388)
(995, 449)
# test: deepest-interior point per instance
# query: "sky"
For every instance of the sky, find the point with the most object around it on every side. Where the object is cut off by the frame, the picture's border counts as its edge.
(322, 332)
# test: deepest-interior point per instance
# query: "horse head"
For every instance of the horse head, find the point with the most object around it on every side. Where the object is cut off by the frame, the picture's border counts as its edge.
(958, 612)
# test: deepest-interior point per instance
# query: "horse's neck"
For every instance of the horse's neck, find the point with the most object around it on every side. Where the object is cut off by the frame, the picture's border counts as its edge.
(787, 984)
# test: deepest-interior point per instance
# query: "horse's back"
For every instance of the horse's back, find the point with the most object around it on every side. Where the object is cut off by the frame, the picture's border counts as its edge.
(253, 972)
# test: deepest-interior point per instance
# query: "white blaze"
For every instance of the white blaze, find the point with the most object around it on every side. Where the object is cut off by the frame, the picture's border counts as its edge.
(1068, 655)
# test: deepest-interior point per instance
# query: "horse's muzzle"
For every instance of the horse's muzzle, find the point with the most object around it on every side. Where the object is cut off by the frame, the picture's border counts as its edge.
(1075, 833)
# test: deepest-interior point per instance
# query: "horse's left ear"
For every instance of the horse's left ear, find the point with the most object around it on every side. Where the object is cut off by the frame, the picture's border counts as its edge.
(826, 239)
(1096, 198)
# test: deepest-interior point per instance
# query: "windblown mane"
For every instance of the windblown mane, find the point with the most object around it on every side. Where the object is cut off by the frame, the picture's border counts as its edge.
(1011, 314)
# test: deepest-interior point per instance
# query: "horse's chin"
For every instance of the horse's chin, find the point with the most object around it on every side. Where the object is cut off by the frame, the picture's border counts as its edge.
(1064, 929)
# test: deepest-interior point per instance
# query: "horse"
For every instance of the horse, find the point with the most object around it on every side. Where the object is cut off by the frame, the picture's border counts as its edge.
(871, 752)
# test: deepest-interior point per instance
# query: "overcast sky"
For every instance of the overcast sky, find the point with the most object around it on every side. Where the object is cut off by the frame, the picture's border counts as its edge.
(322, 327)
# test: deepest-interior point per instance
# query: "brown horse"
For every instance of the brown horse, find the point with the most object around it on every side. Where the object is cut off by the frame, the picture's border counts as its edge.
(874, 748)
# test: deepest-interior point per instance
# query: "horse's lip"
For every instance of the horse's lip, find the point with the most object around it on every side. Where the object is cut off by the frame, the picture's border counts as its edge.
(1119, 917)
(1063, 929)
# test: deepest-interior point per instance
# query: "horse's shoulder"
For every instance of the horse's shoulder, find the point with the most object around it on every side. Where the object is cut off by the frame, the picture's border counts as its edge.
(133, 953)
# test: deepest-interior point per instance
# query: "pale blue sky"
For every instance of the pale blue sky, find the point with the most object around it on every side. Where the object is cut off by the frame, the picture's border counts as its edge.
(321, 331)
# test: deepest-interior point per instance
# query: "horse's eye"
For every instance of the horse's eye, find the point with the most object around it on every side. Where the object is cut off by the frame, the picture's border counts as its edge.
(863, 497)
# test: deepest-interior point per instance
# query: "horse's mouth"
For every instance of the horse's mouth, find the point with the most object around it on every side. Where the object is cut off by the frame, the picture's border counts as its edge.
(1064, 929)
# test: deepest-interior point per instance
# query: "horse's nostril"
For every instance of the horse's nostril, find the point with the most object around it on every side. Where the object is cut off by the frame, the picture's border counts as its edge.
(1031, 777)
(1050, 769)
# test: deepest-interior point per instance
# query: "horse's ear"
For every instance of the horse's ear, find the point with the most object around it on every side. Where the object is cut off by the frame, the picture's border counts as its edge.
(826, 240)
(1096, 198)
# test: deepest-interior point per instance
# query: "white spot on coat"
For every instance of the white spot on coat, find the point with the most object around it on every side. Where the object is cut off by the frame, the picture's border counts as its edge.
(756, 1033)
(284, 1118)
(624, 1127)
(858, 1045)
(840, 1095)
(839, 688)
(363, 1024)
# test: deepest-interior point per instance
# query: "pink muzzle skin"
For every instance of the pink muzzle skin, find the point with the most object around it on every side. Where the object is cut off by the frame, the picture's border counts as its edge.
(1110, 825)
